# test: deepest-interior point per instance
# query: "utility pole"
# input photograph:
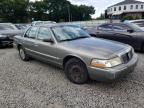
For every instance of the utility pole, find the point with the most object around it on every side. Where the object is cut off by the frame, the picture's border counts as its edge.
(69, 14)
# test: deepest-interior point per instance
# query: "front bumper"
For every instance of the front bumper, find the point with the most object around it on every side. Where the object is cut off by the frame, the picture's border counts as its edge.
(113, 73)
(6, 41)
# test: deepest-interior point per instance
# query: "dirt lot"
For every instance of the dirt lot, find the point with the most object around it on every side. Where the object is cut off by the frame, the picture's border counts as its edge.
(35, 84)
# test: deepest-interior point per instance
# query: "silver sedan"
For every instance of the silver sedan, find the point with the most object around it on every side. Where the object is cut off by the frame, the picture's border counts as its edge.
(81, 56)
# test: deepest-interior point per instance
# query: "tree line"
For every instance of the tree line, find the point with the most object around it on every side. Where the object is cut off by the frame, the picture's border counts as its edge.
(21, 11)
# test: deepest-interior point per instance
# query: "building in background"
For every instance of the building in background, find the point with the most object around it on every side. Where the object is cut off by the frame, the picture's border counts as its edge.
(128, 9)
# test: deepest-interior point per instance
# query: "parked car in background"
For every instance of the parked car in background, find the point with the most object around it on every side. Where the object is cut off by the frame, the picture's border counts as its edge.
(7, 32)
(80, 55)
(42, 22)
(126, 32)
(140, 23)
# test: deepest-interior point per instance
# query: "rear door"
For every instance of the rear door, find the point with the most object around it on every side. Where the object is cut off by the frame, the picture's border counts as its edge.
(29, 40)
(121, 34)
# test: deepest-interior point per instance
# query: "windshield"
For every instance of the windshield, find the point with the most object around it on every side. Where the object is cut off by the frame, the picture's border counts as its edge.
(68, 33)
(134, 27)
(7, 27)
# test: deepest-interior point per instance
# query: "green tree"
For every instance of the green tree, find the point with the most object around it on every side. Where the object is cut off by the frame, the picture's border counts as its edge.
(37, 10)
(127, 18)
(82, 12)
(14, 10)
(137, 17)
(55, 10)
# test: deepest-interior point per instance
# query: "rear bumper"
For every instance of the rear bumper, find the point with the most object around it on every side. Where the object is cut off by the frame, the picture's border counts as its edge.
(113, 73)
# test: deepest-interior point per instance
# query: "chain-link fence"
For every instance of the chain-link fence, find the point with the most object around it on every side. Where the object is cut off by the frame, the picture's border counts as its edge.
(87, 23)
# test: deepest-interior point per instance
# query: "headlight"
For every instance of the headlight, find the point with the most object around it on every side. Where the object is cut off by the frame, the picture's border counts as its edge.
(106, 63)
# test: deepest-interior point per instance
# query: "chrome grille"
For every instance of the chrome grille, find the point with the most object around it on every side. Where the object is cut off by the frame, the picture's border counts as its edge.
(127, 56)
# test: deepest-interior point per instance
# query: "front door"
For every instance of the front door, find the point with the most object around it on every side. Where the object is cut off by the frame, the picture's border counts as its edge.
(46, 50)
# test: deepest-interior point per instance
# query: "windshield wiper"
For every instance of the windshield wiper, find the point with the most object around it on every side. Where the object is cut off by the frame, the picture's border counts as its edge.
(67, 40)
(75, 38)
(82, 37)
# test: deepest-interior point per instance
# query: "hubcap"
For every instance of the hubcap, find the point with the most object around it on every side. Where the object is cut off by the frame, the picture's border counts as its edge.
(76, 73)
(22, 54)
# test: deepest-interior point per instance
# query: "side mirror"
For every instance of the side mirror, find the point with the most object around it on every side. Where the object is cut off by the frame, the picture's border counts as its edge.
(130, 31)
(48, 40)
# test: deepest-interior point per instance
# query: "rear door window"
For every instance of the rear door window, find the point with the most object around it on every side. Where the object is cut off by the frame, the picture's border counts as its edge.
(106, 27)
(120, 27)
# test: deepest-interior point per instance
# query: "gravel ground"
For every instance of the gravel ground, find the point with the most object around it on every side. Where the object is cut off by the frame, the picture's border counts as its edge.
(35, 84)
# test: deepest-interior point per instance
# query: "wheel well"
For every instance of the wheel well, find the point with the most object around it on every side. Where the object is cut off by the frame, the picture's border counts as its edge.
(66, 59)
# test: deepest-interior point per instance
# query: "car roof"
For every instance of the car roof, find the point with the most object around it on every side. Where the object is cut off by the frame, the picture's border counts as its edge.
(111, 23)
(54, 25)
(7, 23)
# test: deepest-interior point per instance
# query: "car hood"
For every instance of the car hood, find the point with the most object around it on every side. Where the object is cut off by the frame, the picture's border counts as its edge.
(95, 47)
(139, 33)
(11, 32)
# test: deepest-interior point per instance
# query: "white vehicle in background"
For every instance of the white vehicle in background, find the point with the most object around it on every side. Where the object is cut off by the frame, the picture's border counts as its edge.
(139, 22)
(42, 22)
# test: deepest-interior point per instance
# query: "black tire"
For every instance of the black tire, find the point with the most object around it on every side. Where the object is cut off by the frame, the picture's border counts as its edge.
(23, 54)
(1, 45)
(93, 35)
(142, 49)
(76, 71)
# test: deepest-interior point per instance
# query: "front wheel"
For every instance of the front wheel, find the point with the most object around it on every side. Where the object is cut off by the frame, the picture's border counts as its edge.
(23, 54)
(76, 71)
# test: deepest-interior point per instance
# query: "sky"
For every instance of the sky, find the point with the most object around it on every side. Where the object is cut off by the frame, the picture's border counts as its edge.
(99, 5)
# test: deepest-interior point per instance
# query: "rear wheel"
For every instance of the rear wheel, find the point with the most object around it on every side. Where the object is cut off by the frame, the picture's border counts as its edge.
(1, 46)
(142, 47)
(23, 54)
(76, 71)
